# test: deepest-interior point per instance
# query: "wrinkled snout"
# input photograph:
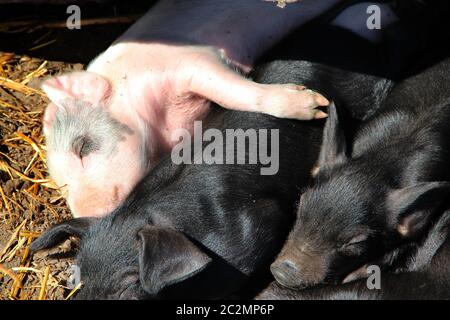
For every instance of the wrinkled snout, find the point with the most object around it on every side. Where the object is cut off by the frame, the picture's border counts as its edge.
(297, 269)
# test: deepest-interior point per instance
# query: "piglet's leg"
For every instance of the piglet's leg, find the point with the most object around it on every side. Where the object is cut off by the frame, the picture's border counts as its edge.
(232, 91)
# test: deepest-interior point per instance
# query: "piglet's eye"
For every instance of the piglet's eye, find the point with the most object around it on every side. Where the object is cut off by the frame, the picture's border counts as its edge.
(358, 239)
(130, 293)
(355, 246)
(83, 145)
(126, 289)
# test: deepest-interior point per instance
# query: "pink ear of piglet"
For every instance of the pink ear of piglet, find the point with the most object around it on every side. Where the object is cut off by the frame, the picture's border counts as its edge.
(86, 86)
(90, 87)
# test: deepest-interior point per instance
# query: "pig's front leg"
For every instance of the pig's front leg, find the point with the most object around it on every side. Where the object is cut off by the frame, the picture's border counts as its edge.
(227, 88)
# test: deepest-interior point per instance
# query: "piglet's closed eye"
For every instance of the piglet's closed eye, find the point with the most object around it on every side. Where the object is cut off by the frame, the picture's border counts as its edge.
(61, 232)
(167, 257)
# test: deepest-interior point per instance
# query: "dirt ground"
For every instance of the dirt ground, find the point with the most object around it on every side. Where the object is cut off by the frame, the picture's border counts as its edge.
(29, 202)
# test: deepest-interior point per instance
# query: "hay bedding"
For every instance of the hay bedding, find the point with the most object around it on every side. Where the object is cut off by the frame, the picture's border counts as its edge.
(29, 204)
(28, 201)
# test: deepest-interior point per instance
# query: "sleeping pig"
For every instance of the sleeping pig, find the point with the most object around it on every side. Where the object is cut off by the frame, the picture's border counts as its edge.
(374, 190)
(413, 271)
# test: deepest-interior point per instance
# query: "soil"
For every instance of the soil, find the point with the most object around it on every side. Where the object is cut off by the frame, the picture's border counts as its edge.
(28, 201)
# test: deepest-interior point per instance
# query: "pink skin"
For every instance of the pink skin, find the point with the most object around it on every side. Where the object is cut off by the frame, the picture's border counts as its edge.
(85, 176)
(155, 88)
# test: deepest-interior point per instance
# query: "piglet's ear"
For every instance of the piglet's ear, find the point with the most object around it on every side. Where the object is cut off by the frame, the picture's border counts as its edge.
(88, 86)
(334, 145)
(411, 208)
(60, 232)
(49, 116)
(167, 257)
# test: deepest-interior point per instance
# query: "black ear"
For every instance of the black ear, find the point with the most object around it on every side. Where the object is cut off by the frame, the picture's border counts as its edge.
(167, 257)
(411, 208)
(60, 232)
(334, 145)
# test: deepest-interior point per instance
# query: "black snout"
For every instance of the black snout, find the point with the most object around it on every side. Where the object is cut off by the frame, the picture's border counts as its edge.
(285, 272)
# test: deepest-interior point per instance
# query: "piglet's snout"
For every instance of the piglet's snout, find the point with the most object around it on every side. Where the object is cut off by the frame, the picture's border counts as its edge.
(95, 202)
(297, 269)
(285, 272)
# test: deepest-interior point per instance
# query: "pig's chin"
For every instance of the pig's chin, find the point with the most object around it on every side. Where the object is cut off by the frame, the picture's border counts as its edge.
(92, 212)
(294, 286)
(290, 282)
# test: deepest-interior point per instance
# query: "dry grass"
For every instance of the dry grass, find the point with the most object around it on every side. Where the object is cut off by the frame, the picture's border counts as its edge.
(29, 202)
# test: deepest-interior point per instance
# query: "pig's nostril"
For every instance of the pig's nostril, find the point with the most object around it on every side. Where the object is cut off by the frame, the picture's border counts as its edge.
(279, 275)
(289, 265)
(285, 272)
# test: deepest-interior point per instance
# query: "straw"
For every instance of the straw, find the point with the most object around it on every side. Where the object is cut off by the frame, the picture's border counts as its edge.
(30, 201)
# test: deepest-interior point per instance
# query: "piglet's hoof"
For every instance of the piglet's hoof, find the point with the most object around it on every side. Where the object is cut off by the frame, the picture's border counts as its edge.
(293, 101)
